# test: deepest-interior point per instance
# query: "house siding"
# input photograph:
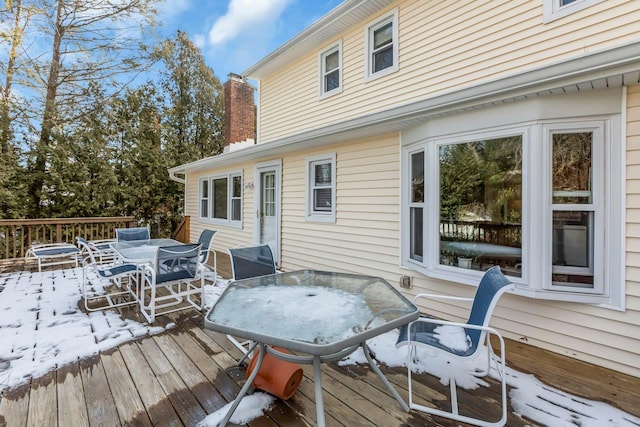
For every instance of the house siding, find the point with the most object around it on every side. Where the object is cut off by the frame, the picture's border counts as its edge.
(443, 46)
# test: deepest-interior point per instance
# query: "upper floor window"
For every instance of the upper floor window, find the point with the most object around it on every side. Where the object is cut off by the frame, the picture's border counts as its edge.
(556, 9)
(534, 198)
(382, 46)
(331, 70)
(221, 199)
(321, 188)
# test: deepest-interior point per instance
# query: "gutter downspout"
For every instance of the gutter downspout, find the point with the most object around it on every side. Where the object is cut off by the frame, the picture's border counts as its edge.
(173, 177)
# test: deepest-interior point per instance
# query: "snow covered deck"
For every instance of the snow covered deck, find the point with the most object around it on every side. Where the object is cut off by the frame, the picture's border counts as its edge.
(60, 366)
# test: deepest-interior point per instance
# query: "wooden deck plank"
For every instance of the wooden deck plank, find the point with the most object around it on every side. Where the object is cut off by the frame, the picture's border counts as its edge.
(72, 407)
(353, 395)
(43, 402)
(181, 397)
(151, 393)
(14, 407)
(128, 404)
(100, 405)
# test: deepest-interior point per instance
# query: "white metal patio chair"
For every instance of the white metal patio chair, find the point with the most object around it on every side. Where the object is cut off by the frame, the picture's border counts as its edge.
(133, 233)
(94, 301)
(178, 270)
(247, 262)
(424, 332)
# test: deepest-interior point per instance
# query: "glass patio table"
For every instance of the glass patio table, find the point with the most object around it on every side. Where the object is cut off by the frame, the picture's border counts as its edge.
(320, 316)
(140, 251)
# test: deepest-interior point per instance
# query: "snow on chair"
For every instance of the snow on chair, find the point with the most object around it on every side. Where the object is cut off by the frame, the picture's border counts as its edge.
(427, 333)
(49, 254)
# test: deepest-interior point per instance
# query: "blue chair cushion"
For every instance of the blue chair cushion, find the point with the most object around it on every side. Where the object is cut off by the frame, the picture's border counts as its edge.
(55, 251)
(426, 334)
(117, 270)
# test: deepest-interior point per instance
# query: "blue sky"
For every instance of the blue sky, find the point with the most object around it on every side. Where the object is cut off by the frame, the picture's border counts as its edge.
(235, 34)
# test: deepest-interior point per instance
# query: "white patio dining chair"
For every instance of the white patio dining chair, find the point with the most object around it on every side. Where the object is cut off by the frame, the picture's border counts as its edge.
(428, 333)
(247, 262)
(133, 233)
(178, 271)
(94, 301)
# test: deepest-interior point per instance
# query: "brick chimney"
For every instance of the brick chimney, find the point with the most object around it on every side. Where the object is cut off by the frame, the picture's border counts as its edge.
(239, 113)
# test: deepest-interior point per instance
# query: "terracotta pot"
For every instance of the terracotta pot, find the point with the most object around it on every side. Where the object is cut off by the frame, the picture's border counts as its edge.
(276, 376)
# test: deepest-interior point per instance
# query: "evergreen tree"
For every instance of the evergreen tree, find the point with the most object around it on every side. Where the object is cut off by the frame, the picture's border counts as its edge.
(194, 111)
(81, 181)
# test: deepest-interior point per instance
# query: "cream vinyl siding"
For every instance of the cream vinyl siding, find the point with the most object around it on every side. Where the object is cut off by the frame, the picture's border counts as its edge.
(444, 46)
(364, 238)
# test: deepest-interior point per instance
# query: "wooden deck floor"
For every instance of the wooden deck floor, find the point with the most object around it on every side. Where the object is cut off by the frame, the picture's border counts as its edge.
(187, 372)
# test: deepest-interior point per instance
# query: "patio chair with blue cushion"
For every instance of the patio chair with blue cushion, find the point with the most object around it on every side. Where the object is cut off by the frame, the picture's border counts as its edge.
(93, 300)
(170, 282)
(247, 262)
(431, 334)
(134, 233)
(49, 254)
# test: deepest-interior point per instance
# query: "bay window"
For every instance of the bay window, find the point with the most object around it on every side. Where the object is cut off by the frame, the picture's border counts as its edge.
(542, 198)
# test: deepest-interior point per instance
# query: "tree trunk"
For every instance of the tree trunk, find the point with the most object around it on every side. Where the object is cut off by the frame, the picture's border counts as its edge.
(48, 120)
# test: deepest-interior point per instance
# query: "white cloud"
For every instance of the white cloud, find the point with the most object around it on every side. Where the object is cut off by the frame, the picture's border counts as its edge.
(243, 14)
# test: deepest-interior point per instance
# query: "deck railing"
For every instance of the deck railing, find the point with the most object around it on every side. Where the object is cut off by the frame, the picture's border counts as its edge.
(481, 231)
(17, 235)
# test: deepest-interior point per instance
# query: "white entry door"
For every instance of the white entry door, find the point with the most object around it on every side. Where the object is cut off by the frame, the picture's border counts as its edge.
(268, 206)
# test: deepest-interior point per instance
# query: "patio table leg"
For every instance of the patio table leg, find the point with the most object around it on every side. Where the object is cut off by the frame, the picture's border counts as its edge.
(245, 387)
(317, 380)
(384, 379)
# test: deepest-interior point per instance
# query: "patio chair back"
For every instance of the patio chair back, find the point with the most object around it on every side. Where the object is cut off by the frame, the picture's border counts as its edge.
(134, 233)
(205, 239)
(252, 261)
(492, 285)
(179, 262)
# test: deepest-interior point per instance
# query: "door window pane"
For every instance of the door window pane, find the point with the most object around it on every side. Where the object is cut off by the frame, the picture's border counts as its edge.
(481, 204)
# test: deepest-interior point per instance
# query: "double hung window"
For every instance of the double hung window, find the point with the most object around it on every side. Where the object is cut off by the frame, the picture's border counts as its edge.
(382, 46)
(331, 70)
(321, 188)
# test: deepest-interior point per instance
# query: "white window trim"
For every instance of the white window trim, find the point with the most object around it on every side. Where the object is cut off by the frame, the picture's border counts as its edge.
(536, 251)
(368, 40)
(553, 10)
(218, 221)
(336, 47)
(310, 214)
